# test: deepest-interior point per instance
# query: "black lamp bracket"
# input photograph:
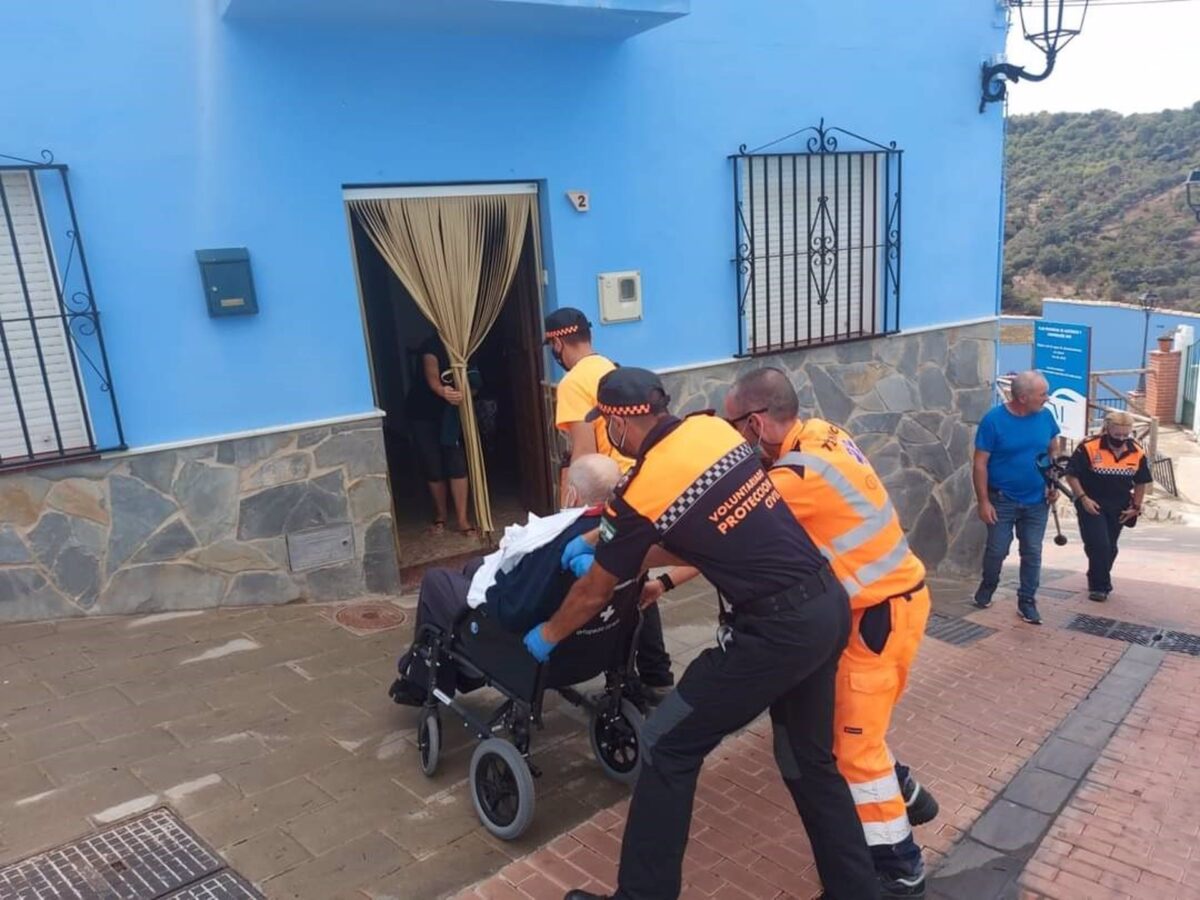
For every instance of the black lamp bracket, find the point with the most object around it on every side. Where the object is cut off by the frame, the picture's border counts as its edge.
(995, 77)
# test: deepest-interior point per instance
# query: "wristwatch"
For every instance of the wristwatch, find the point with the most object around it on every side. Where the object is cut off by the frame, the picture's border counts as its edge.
(665, 580)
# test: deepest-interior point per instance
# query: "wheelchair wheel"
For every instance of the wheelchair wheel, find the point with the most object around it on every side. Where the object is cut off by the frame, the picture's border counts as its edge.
(502, 788)
(429, 740)
(617, 741)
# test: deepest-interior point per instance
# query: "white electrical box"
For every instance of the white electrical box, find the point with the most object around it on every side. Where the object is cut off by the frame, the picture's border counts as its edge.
(620, 296)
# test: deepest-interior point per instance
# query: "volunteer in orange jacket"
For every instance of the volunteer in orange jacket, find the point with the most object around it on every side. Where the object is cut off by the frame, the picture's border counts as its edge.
(836, 495)
(1109, 474)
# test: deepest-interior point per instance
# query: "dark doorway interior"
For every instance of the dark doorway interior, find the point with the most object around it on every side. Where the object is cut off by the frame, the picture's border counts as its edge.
(509, 404)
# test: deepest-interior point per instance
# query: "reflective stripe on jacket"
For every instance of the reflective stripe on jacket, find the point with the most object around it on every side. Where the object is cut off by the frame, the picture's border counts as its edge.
(834, 492)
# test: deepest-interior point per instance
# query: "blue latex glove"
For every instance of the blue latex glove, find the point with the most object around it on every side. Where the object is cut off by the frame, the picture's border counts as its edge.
(577, 546)
(580, 564)
(537, 645)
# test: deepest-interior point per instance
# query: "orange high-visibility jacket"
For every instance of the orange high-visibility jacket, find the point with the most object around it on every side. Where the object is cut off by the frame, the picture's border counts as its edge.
(835, 494)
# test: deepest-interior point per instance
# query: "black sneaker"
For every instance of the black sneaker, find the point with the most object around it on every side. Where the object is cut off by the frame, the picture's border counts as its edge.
(982, 603)
(922, 806)
(895, 888)
(406, 693)
(1029, 613)
(1098, 596)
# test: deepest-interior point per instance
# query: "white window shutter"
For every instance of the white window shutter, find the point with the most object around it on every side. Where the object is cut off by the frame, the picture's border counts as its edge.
(42, 408)
(780, 203)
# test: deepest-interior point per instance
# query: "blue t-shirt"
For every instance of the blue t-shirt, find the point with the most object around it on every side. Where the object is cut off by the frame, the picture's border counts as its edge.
(1015, 442)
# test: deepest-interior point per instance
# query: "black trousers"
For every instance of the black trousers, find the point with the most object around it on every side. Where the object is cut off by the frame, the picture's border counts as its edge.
(784, 661)
(1099, 534)
(653, 660)
(441, 602)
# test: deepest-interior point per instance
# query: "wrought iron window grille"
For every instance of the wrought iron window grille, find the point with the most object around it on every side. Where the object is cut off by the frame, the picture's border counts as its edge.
(817, 241)
(52, 354)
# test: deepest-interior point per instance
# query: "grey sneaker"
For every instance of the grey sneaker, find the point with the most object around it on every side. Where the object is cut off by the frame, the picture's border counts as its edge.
(1029, 613)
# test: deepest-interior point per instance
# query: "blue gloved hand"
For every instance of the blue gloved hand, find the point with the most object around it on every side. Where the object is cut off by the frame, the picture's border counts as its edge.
(580, 565)
(537, 645)
(577, 546)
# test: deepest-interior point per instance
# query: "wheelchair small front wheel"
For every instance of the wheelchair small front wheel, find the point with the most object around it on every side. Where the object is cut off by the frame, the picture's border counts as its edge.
(502, 788)
(617, 741)
(429, 740)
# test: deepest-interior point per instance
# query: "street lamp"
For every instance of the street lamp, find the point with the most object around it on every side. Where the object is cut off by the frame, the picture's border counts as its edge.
(1148, 302)
(1050, 27)
(1192, 186)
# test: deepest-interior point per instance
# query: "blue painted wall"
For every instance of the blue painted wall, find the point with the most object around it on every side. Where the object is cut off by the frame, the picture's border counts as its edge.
(1116, 335)
(1014, 357)
(1117, 332)
(184, 130)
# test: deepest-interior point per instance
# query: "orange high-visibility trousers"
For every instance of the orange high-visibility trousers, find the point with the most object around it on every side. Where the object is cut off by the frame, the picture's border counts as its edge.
(868, 686)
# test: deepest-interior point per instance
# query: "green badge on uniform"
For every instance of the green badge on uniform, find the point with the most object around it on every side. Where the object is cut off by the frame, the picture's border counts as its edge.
(606, 530)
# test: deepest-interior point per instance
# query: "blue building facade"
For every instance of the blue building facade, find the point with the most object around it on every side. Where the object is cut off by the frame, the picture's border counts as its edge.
(1118, 330)
(249, 124)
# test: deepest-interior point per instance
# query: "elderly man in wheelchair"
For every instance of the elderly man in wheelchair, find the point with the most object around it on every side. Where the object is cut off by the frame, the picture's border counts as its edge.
(468, 634)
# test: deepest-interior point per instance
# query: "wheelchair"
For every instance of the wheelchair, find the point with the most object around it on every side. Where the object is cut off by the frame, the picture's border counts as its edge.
(479, 652)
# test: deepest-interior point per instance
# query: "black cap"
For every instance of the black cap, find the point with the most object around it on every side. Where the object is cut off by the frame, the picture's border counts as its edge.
(565, 321)
(629, 392)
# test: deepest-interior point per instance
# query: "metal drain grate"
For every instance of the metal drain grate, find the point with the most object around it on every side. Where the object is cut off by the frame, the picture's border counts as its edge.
(145, 859)
(1133, 633)
(1180, 642)
(1056, 593)
(1095, 625)
(225, 885)
(959, 632)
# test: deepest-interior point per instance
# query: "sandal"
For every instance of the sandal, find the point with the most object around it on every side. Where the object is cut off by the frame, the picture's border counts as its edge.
(438, 526)
(469, 531)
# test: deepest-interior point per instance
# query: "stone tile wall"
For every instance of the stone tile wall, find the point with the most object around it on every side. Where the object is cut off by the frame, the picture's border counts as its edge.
(912, 403)
(197, 527)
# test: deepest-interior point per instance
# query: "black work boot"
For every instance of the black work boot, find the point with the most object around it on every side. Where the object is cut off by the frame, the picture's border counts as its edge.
(894, 887)
(922, 806)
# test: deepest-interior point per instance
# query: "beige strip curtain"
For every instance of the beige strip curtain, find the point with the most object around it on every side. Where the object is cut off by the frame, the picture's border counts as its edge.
(457, 257)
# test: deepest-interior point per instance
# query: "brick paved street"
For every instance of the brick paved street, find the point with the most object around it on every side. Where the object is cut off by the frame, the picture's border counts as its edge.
(268, 730)
(972, 718)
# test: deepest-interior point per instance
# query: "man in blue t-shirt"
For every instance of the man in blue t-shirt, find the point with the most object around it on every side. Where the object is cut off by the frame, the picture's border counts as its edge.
(1011, 492)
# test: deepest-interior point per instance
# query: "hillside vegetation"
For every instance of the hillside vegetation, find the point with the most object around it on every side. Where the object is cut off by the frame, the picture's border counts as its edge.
(1096, 208)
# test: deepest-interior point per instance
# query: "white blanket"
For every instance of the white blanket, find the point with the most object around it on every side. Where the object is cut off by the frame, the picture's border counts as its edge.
(518, 541)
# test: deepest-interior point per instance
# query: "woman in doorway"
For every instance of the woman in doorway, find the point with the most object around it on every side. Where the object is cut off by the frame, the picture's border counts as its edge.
(431, 408)
(1108, 474)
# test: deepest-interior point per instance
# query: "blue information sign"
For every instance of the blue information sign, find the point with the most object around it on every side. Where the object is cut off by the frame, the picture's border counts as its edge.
(1063, 353)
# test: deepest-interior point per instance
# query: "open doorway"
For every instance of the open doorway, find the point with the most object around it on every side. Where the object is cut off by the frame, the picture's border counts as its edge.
(509, 403)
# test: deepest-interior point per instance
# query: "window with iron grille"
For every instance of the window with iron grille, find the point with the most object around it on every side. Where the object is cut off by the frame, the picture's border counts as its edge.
(52, 356)
(818, 241)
